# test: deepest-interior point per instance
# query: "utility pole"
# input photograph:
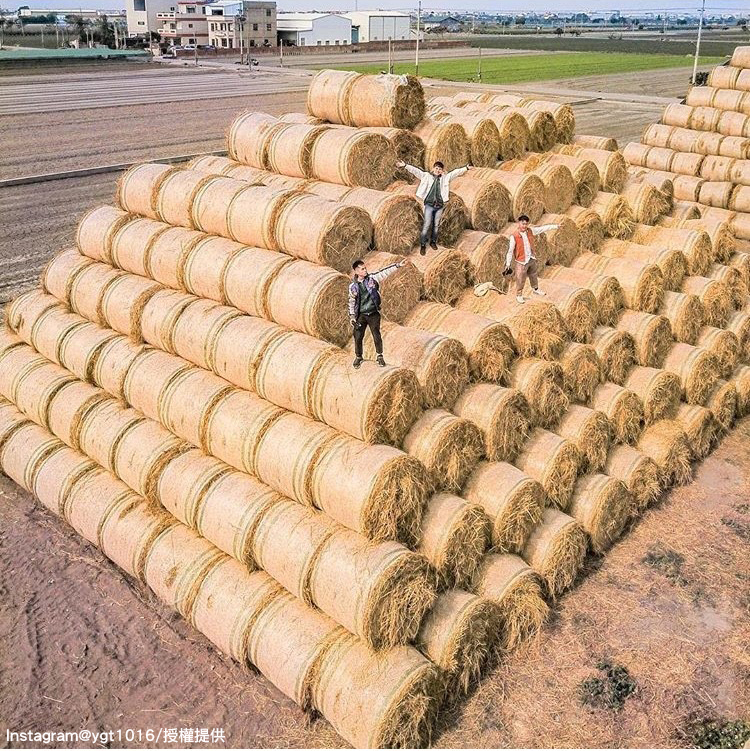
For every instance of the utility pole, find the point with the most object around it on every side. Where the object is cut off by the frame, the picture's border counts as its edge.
(390, 59)
(698, 42)
(416, 49)
(480, 65)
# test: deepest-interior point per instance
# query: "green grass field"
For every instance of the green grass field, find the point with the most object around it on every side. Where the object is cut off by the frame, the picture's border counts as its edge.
(526, 68)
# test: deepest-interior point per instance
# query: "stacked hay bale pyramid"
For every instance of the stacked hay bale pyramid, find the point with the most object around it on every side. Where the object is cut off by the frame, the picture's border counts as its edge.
(179, 389)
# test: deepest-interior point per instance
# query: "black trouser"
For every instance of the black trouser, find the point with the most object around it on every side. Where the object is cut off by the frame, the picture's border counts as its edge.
(363, 321)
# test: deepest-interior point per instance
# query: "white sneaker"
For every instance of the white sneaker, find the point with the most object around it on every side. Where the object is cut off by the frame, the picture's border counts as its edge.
(539, 292)
(519, 298)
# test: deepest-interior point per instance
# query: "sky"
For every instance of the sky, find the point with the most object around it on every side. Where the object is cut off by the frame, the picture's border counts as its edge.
(488, 6)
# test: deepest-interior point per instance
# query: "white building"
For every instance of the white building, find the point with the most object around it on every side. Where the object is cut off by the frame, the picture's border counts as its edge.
(143, 15)
(379, 25)
(314, 29)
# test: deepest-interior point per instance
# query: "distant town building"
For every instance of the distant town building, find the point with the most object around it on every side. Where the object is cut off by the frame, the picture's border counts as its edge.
(449, 23)
(314, 29)
(86, 13)
(378, 25)
(252, 20)
(186, 24)
(143, 15)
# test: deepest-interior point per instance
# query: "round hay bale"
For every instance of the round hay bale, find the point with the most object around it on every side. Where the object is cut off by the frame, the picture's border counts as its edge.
(60, 273)
(638, 472)
(700, 428)
(352, 157)
(130, 247)
(735, 124)
(321, 231)
(565, 120)
(552, 461)
(717, 168)
(685, 315)
(101, 429)
(88, 291)
(586, 177)
(564, 242)
(541, 382)
(138, 187)
(289, 149)
(25, 448)
(542, 128)
(400, 291)
(559, 186)
(527, 191)
(685, 188)
(17, 359)
(741, 381)
(723, 77)
(695, 245)
(162, 254)
(641, 155)
(556, 550)
(445, 274)
(616, 351)
(502, 414)
(606, 289)
(721, 233)
(582, 371)
(216, 165)
(577, 306)
(249, 136)
(68, 408)
(714, 296)
(443, 142)
(732, 278)
(123, 302)
(387, 101)
(512, 501)
(595, 142)
(741, 262)
(672, 263)
(35, 386)
(513, 131)
(96, 230)
(486, 253)
(588, 429)
(652, 335)
(454, 536)
(449, 447)
(458, 635)
(329, 96)
(487, 202)
(688, 164)
(723, 345)
(590, 227)
(252, 217)
(483, 137)
(716, 194)
(666, 443)
(160, 316)
(408, 147)
(659, 390)
(602, 505)
(516, 589)
(25, 313)
(739, 325)
(180, 199)
(615, 213)
(110, 359)
(56, 474)
(723, 402)
(623, 408)
(613, 168)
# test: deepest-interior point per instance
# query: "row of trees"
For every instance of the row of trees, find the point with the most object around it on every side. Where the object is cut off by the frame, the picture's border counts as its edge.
(100, 31)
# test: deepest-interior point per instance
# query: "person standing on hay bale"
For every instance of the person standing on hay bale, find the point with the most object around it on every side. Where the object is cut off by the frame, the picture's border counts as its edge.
(364, 306)
(521, 249)
(434, 190)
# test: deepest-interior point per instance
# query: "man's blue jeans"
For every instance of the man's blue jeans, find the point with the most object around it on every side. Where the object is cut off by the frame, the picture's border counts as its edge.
(432, 216)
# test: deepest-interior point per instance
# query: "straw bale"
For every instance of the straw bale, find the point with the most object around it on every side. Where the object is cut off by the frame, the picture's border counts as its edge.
(700, 428)
(483, 137)
(652, 335)
(724, 345)
(741, 261)
(249, 136)
(602, 505)
(408, 147)
(137, 188)
(564, 243)
(685, 315)
(605, 288)
(666, 443)
(96, 230)
(724, 77)
(400, 291)
(616, 351)
(527, 191)
(458, 635)
(714, 296)
(739, 325)
(444, 142)
(69, 407)
(288, 150)
(590, 226)
(131, 246)
(445, 274)
(582, 370)
(615, 213)
(586, 177)
(123, 301)
(731, 277)
(510, 498)
(542, 128)
(723, 402)
(61, 272)
(658, 390)
(486, 253)
(686, 188)
(720, 231)
(577, 306)
(611, 165)
(26, 313)
(595, 142)
(17, 360)
(541, 382)
(487, 202)
(559, 186)
(556, 550)
(624, 410)
(741, 380)
(160, 316)
(384, 101)
(589, 430)
(24, 449)
(565, 121)
(638, 472)
(57, 473)
(673, 263)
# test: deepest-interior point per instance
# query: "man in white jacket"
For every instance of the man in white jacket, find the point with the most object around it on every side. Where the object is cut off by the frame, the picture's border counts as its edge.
(521, 249)
(434, 190)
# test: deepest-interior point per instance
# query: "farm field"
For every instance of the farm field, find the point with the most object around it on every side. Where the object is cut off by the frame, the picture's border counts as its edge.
(527, 68)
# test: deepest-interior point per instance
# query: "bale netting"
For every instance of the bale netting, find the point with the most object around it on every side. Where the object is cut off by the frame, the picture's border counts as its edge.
(685, 315)
(489, 344)
(564, 242)
(700, 428)
(586, 178)
(672, 263)
(724, 403)
(444, 142)
(511, 500)
(616, 351)
(577, 306)
(486, 252)
(448, 446)
(602, 505)
(454, 536)
(615, 213)
(554, 462)
(659, 390)
(723, 345)
(445, 274)
(515, 587)
(541, 382)
(638, 472)
(458, 635)
(652, 335)
(623, 409)
(556, 550)
(559, 186)
(527, 191)
(487, 202)
(589, 430)
(714, 296)
(538, 329)
(96, 230)
(565, 119)
(642, 283)
(605, 288)
(666, 443)
(357, 158)
(582, 370)
(590, 226)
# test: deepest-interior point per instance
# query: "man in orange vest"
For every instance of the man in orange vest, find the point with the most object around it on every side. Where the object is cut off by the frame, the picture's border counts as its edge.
(521, 249)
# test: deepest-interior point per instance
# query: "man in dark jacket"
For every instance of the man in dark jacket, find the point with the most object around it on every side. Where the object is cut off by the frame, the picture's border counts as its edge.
(364, 306)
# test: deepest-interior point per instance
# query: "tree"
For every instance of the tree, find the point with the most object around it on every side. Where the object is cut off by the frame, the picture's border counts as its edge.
(559, 31)
(104, 32)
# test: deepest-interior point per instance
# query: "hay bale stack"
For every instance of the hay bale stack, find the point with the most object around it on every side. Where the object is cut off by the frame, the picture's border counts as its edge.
(538, 328)
(723, 344)
(408, 147)
(96, 229)
(602, 505)
(489, 344)
(595, 142)
(444, 142)
(527, 191)
(249, 136)
(565, 120)
(455, 213)
(723, 402)
(582, 370)
(458, 635)
(652, 335)
(401, 290)
(552, 461)
(638, 472)
(487, 203)
(658, 390)
(667, 445)
(559, 186)
(445, 274)
(590, 225)
(563, 243)
(732, 279)
(685, 315)
(714, 296)
(542, 128)
(672, 263)
(486, 252)
(556, 550)
(589, 431)
(613, 168)
(586, 177)
(516, 590)
(606, 289)
(454, 536)
(483, 137)
(503, 415)
(623, 408)
(642, 282)
(448, 446)
(615, 213)
(512, 501)
(577, 305)
(541, 382)
(616, 351)
(720, 231)
(700, 428)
